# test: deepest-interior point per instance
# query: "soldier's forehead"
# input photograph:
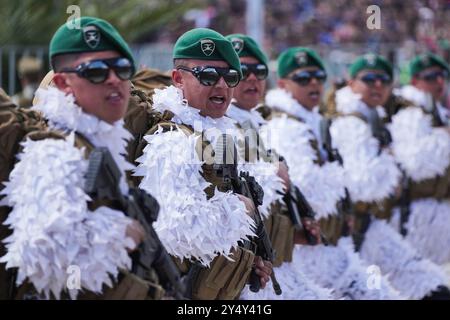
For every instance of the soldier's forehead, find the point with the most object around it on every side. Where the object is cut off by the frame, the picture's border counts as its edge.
(309, 68)
(87, 56)
(249, 59)
(214, 63)
(432, 68)
(365, 71)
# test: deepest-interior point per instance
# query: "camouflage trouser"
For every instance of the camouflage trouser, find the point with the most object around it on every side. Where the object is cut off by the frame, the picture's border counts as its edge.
(281, 232)
(225, 278)
(129, 287)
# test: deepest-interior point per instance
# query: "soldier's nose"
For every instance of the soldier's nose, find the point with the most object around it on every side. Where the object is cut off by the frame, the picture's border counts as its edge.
(221, 83)
(112, 78)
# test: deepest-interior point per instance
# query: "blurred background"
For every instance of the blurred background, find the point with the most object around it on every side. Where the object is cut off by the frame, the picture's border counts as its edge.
(336, 29)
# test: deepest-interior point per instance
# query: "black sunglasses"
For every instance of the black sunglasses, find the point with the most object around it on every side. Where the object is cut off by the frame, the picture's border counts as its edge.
(209, 76)
(97, 71)
(303, 78)
(432, 76)
(258, 69)
(371, 78)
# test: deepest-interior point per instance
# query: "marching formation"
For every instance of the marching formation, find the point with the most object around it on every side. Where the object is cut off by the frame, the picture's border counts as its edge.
(204, 184)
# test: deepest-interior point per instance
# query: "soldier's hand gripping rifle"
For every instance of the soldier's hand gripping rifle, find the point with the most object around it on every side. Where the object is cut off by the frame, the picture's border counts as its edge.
(226, 167)
(102, 181)
(300, 211)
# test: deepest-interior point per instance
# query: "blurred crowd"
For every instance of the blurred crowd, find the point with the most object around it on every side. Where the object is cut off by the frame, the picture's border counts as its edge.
(336, 29)
(327, 23)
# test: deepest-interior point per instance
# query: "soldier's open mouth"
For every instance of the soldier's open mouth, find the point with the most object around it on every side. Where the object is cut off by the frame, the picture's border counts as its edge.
(252, 90)
(217, 99)
(375, 95)
(114, 97)
(314, 95)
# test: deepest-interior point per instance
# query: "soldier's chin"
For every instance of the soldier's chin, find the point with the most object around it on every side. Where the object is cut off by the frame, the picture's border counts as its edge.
(114, 113)
(314, 101)
(216, 111)
(439, 93)
(251, 102)
(252, 92)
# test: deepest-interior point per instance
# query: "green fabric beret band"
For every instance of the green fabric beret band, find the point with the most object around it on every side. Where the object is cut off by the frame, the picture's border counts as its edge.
(246, 46)
(297, 57)
(370, 61)
(206, 44)
(93, 35)
(424, 61)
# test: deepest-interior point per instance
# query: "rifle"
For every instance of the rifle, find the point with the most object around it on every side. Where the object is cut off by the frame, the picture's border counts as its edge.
(346, 209)
(299, 208)
(306, 212)
(332, 153)
(102, 181)
(247, 186)
(405, 202)
(345, 206)
(437, 120)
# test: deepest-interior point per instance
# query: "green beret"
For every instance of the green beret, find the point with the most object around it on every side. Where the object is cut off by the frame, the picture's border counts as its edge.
(245, 46)
(370, 61)
(206, 44)
(425, 61)
(297, 57)
(93, 35)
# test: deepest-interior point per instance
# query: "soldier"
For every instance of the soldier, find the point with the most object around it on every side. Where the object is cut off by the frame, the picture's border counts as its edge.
(293, 113)
(15, 123)
(373, 179)
(421, 146)
(204, 227)
(247, 96)
(30, 74)
(58, 231)
(429, 75)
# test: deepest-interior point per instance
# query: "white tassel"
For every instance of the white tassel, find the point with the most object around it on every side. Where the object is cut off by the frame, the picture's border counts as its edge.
(52, 226)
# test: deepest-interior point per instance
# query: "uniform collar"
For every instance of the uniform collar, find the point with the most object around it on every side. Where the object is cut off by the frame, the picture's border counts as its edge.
(348, 102)
(171, 99)
(284, 101)
(243, 115)
(424, 100)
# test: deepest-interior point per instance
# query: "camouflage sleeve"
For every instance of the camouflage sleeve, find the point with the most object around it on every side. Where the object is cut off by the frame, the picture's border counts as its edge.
(139, 119)
(5, 100)
(147, 80)
(265, 111)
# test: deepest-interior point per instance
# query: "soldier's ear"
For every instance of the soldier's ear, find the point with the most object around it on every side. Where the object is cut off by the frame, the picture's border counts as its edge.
(351, 82)
(61, 82)
(177, 78)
